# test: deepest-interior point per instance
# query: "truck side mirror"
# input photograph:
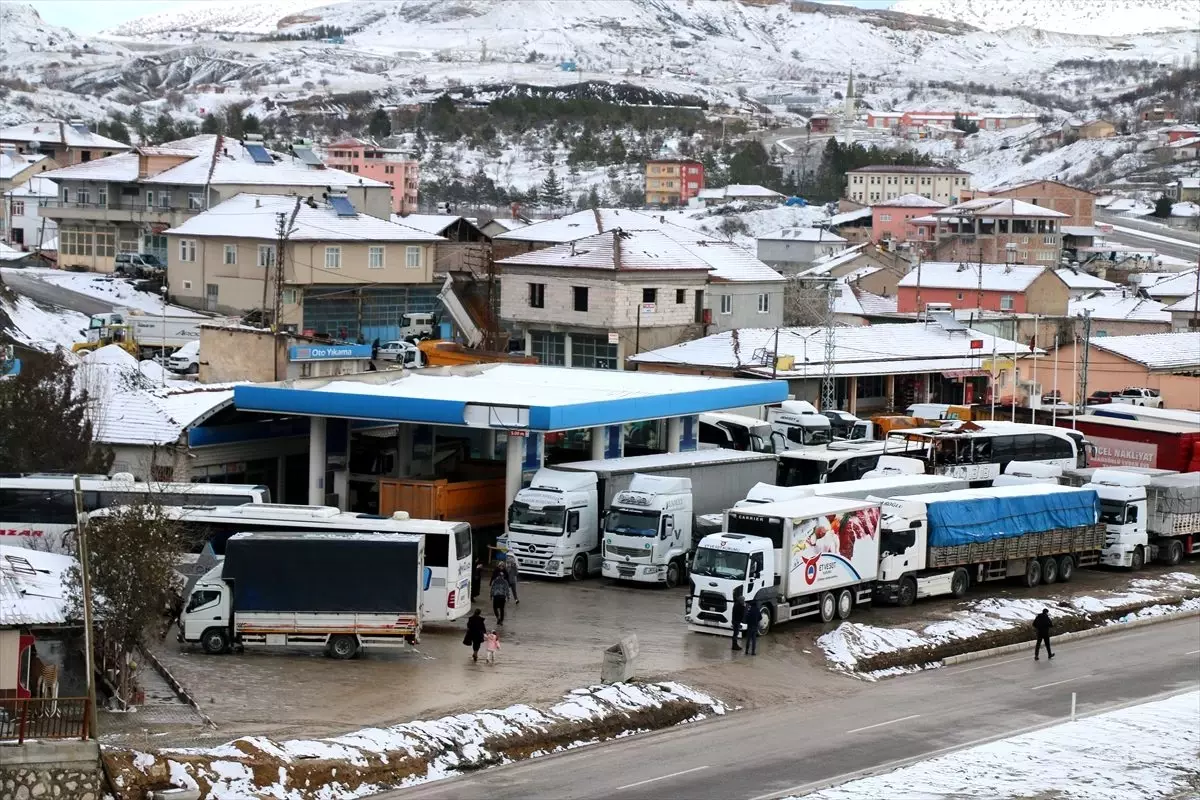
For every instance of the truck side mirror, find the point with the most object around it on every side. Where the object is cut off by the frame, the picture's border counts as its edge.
(668, 524)
(572, 521)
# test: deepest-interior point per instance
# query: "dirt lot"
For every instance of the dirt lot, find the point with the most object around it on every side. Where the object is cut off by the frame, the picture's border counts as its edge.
(552, 642)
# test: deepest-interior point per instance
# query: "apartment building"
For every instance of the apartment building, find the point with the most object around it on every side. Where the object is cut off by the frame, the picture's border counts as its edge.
(345, 273)
(397, 168)
(994, 230)
(1078, 204)
(673, 181)
(22, 224)
(877, 183)
(992, 287)
(66, 142)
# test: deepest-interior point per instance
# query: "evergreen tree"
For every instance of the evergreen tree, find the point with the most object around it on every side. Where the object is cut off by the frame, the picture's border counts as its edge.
(1162, 207)
(965, 125)
(616, 150)
(593, 198)
(251, 124)
(380, 125)
(137, 123)
(210, 124)
(164, 129)
(551, 190)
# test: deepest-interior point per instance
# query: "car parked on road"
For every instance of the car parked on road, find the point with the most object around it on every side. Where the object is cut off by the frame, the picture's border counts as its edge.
(1139, 396)
(1101, 397)
(138, 265)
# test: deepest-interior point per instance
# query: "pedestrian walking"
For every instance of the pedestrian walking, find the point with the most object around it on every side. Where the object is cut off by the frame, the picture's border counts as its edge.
(736, 616)
(751, 620)
(493, 647)
(1042, 624)
(510, 570)
(476, 632)
(501, 589)
(476, 579)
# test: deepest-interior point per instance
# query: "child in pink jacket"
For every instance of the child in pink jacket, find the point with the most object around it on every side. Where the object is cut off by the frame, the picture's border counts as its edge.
(492, 645)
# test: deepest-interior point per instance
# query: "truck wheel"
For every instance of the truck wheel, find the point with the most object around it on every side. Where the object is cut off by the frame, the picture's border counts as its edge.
(959, 583)
(193, 369)
(766, 619)
(1137, 560)
(828, 605)
(907, 594)
(1066, 568)
(1033, 573)
(215, 641)
(1174, 552)
(672, 574)
(343, 646)
(579, 569)
(1049, 570)
(845, 604)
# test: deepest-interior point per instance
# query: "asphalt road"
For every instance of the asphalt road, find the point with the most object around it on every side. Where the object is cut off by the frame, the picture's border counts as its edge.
(55, 295)
(1183, 244)
(791, 749)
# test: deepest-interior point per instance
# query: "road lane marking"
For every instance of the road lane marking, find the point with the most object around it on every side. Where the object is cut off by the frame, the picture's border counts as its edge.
(994, 664)
(1191, 652)
(881, 724)
(1056, 683)
(660, 778)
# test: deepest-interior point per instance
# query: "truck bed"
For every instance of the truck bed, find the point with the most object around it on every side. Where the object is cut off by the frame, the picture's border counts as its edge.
(265, 623)
(1049, 543)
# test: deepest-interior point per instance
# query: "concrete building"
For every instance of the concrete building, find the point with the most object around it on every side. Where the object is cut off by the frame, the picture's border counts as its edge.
(21, 222)
(673, 181)
(891, 220)
(1185, 314)
(994, 230)
(1187, 189)
(466, 246)
(237, 354)
(1089, 129)
(67, 143)
(1168, 362)
(345, 274)
(791, 250)
(397, 168)
(1078, 204)
(17, 168)
(991, 287)
(544, 233)
(878, 183)
(126, 202)
(1167, 287)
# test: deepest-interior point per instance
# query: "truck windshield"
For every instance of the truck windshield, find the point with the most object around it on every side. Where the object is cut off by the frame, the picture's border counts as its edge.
(809, 436)
(632, 523)
(547, 518)
(1112, 512)
(720, 564)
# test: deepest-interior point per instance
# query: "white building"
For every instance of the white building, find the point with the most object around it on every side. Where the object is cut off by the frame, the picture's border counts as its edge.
(745, 192)
(22, 225)
(793, 249)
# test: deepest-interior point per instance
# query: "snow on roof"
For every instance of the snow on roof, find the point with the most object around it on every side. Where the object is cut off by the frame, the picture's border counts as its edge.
(1010, 187)
(910, 201)
(13, 163)
(1164, 351)
(912, 170)
(430, 223)
(956, 275)
(508, 224)
(875, 303)
(829, 263)
(736, 190)
(1078, 279)
(1162, 286)
(850, 216)
(804, 235)
(1189, 142)
(1119, 306)
(55, 132)
(1081, 230)
(711, 194)
(585, 223)
(1190, 183)
(37, 186)
(120, 168)
(252, 216)
(31, 587)
(998, 207)
(1185, 209)
(1186, 304)
(928, 219)
(867, 350)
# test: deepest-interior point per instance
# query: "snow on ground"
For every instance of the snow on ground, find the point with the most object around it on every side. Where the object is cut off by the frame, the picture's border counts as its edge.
(1141, 753)
(1155, 237)
(448, 745)
(42, 327)
(1073, 163)
(757, 221)
(853, 642)
(118, 291)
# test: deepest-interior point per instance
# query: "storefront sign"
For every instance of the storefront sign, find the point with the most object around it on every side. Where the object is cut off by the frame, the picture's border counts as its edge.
(328, 352)
(1119, 453)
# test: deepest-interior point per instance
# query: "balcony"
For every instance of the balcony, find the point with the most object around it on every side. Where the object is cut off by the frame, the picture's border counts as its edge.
(113, 211)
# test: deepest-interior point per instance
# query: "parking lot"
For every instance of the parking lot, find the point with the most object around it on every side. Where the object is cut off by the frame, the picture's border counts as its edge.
(551, 642)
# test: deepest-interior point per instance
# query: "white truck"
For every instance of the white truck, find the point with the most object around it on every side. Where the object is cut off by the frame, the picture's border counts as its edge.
(816, 556)
(338, 591)
(796, 425)
(887, 486)
(154, 332)
(1148, 516)
(648, 531)
(735, 432)
(935, 544)
(554, 524)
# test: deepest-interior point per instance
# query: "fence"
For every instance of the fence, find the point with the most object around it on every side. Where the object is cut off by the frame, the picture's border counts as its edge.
(43, 718)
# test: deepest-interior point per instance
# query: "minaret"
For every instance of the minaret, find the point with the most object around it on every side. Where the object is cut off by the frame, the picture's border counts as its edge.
(851, 106)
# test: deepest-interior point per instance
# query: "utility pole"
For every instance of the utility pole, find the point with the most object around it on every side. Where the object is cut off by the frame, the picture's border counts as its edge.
(828, 395)
(1081, 391)
(89, 636)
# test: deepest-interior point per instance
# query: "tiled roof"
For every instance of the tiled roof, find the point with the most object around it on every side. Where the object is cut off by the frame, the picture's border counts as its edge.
(804, 235)
(1078, 279)
(850, 216)
(576, 226)
(37, 186)
(13, 163)
(1177, 285)
(430, 223)
(1163, 351)
(956, 275)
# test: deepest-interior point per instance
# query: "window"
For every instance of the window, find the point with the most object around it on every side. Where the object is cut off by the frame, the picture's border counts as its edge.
(764, 303)
(1049, 240)
(649, 295)
(592, 352)
(164, 200)
(375, 257)
(82, 195)
(149, 198)
(389, 169)
(231, 254)
(187, 249)
(960, 295)
(187, 284)
(412, 257)
(581, 297)
(680, 296)
(194, 202)
(102, 195)
(18, 208)
(548, 348)
(333, 258)
(537, 296)
(266, 255)
(289, 297)
(106, 245)
(885, 217)
(726, 304)
(66, 195)
(1006, 302)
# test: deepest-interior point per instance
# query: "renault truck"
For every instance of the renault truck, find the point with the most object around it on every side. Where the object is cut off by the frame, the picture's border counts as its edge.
(648, 531)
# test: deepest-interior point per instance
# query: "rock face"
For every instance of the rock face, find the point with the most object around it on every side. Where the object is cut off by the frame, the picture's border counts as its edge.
(50, 782)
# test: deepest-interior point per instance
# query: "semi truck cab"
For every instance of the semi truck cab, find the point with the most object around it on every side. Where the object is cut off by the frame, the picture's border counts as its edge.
(1123, 512)
(648, 531)
(728, 566)
(903, 547)
(553, 527)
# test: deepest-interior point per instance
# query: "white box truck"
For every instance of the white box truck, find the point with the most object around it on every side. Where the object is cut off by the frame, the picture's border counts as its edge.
(554, 524)
(337, 591)
(816, 556)
(1148, 517)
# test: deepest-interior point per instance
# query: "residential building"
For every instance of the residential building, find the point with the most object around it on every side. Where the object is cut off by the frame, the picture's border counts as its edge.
(876, 368)
(67, 143)
(1188, 189)
(748, 193)
(793, 249)
(855, 305)
(1158, 114)
(1119, 312)
(346, 275)
(498, 225)
(994, 230)
(126, 202)
(854, 225)
(1082, 284)
(991, 287)
(397, 168)
(1180, 132)
(901, 121)
(1089, 129)
(572, 227)
(1166, 362)
(16, 168)
(259, 355)
(1180, 150)
(1185, 314)
(673, 181)
(466, 246)
(882, 182)
(1078, 204)
(866, 265)
(1167, 287)
(21, 222)
(820, 123)
(891, 220)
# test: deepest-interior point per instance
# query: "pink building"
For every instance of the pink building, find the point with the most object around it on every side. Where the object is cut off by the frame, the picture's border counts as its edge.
(892, 219)
(393, 167)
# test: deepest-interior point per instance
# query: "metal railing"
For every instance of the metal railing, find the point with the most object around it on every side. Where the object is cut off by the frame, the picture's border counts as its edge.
(116, 205)
(43, 718)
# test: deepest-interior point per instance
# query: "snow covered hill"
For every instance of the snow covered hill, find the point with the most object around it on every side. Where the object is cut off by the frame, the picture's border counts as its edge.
(1086, 17)
(25, 36)
(234, 16)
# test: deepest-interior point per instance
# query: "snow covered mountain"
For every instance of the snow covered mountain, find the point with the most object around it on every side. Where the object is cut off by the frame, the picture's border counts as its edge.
(1085, 17)
(23, 32)
(229, 16)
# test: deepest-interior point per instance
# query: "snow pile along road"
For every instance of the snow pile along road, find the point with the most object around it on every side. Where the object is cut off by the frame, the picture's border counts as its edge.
(1141, 753)
(108, 288)
(370, 760)
(41, 327)
(994, 621)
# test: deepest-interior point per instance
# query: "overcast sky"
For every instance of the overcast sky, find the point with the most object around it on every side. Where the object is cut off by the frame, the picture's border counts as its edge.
(91, 16)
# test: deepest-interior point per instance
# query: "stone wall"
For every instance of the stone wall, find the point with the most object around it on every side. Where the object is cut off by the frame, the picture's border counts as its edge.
(69, 770)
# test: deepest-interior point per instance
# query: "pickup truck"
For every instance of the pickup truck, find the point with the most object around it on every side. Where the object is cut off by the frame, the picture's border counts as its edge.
(1138, 396)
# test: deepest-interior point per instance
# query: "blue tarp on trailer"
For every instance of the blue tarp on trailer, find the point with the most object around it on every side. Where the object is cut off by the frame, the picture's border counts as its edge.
(981, 519)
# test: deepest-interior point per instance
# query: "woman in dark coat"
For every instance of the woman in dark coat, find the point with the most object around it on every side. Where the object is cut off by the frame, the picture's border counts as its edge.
(476, 629)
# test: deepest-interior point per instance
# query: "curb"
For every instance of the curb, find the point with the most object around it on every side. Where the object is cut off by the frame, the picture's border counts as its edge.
(1067, 637)
(178, 687)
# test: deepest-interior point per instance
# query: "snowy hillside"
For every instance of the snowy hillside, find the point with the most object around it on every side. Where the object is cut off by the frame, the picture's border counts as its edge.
(234, 16)
(1087, 17)
(25, 36)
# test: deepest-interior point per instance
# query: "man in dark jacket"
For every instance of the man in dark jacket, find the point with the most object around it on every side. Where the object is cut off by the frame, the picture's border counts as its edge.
(736, 616)
(476, 630)
(1042, 624)
(752, 618)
